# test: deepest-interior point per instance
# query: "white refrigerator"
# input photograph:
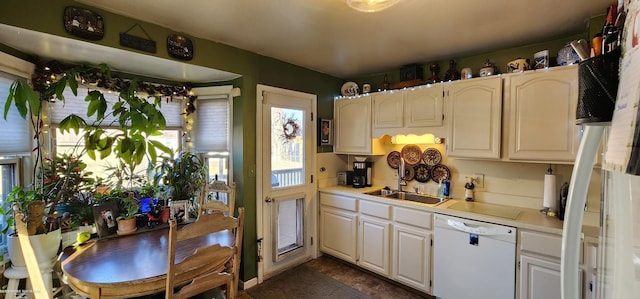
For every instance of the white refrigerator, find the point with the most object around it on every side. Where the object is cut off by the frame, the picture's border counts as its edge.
(619, 245)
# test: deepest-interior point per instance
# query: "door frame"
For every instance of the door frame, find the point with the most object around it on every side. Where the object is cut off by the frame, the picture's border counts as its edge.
(260, 194)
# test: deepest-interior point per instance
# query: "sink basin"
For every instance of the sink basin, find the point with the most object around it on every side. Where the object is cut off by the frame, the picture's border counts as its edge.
(407, 196)
(414, 197)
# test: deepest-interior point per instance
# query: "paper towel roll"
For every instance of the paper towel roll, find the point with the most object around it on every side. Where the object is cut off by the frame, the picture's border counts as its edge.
(550, 199)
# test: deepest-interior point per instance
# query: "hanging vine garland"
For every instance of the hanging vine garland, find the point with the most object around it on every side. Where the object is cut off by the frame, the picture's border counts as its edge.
(290, 129)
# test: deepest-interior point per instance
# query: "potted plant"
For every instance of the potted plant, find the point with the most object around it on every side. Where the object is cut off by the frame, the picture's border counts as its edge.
(186, 175)
(127, 219)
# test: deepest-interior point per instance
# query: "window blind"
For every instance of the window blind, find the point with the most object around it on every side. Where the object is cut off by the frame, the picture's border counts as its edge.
(211, 132)
(15, 130)
(73, 104)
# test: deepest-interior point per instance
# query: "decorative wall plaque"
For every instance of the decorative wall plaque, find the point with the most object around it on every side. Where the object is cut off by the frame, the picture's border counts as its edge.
(136, 42)
(83, 23)
(179, 47)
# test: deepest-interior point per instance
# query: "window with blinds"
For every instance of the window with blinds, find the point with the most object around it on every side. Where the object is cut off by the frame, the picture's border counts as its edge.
(75, 104)
(211, 130)
(15, 130)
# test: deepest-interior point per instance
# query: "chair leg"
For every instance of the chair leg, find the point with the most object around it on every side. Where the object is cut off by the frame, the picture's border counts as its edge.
(12, 288)
(231, 291)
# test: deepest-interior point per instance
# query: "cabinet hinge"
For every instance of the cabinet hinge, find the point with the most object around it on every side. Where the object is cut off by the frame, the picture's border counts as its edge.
(311, 116)
(518, 265)
(312, 179)
(311, 241)
(431, 242)
(430, 283)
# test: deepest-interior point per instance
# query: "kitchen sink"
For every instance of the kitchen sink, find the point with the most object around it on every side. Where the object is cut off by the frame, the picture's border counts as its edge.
(407, 196)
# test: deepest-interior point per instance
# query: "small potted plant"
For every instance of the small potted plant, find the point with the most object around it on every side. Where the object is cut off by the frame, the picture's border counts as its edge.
(186, 175)
(127, 218)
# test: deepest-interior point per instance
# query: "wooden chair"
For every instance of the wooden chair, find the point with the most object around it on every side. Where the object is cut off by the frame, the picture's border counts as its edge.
(213, 204)
(225, 260)
(40, 282)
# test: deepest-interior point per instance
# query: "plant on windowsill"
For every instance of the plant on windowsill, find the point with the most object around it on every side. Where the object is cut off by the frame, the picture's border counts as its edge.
(129, 209)
(185, 175)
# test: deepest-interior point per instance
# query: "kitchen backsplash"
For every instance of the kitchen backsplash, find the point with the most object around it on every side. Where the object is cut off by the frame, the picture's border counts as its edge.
(510, 183)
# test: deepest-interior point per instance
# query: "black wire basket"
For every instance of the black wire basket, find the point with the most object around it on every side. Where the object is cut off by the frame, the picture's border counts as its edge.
(598, 88)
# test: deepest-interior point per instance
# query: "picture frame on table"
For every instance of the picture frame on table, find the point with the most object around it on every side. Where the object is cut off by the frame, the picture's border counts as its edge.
(105, 216)
(326, 132)
(180, 210)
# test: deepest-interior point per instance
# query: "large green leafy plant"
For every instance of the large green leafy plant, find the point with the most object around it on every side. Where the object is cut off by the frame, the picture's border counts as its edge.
(186, 175)
(137, 120)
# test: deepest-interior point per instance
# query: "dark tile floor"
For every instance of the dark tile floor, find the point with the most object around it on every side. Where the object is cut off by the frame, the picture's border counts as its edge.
(361, 280)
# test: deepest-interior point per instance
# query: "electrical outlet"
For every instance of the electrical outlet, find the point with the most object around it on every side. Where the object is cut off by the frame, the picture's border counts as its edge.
(479, 180)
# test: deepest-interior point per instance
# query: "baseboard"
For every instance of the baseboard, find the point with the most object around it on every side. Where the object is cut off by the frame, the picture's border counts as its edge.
(249, 283)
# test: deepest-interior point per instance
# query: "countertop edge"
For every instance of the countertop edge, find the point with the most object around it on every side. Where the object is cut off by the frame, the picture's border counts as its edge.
(528, 219)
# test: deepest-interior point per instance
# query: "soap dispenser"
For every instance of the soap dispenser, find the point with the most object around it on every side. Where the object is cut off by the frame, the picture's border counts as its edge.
(468, 189)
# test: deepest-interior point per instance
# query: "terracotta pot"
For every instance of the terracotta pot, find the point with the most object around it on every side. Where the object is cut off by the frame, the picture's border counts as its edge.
(45, 246)
(165, 214)
(126, 226)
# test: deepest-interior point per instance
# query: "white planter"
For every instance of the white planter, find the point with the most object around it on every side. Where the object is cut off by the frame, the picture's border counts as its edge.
(45, 246)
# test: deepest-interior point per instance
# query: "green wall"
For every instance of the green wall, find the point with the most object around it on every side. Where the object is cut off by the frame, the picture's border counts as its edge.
(46, 16)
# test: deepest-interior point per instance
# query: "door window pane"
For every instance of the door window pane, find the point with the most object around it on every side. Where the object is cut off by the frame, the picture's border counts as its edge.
(287, 147)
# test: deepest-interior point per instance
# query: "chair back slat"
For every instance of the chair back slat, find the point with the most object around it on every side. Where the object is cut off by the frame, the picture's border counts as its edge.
(218, 205)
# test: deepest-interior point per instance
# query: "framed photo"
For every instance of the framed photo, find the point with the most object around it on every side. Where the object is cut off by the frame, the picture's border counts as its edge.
(105, 217)
(326, 131)
(180, 210)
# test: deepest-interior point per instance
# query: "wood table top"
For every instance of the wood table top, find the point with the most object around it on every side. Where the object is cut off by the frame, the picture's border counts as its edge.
(113, 264)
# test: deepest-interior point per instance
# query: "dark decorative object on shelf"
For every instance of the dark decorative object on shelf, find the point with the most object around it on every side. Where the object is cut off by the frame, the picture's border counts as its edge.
(83, 23)
(136, 42)
(410, 72)
(180, 47)
(385, 82)
(452, 73)
(435, 69)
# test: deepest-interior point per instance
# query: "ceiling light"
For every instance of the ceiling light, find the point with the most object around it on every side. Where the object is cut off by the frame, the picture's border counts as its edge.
(371, 5)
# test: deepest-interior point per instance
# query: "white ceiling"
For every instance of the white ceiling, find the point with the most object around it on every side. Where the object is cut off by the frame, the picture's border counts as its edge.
(329, 37)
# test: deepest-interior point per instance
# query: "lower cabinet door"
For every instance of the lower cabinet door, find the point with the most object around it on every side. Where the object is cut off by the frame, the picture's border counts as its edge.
(338, 233)
(374, 245)
(540, 279)
(412, 256)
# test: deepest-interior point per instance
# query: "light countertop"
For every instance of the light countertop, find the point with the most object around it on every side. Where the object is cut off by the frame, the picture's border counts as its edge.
(527, 218)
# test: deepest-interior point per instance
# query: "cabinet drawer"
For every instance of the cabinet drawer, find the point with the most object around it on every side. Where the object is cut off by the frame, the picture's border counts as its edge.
(413, 217)
(339, 201)
(541, 243)
(375, 209)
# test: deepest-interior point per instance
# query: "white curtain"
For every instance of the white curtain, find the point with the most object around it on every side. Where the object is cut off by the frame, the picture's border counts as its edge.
(15, 130)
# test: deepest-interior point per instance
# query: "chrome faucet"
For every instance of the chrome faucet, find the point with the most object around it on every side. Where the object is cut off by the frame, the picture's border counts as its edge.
(401, 178)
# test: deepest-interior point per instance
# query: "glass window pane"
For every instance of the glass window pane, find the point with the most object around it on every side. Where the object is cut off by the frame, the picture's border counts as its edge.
(287, 147)
(7, 181)
(66, 144)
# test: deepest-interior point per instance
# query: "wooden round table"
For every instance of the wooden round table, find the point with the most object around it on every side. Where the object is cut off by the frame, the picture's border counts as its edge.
(133, 265)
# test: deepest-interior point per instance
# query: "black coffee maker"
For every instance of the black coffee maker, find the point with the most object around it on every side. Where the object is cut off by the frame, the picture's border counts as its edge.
(362, 174)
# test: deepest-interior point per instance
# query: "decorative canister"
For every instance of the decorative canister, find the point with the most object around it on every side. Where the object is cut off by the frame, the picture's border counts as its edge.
(567, 55)
(488, 69)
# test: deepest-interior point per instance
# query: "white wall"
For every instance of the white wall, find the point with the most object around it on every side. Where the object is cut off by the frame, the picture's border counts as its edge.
(511, 183)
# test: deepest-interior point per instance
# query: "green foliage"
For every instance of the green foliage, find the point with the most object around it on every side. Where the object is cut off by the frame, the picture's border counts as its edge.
(186, 175)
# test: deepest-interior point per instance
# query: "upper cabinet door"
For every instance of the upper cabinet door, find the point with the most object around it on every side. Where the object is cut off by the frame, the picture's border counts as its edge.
(540, 108)
(474, 109)
(353, 127)
(387, 109)
(423, 106)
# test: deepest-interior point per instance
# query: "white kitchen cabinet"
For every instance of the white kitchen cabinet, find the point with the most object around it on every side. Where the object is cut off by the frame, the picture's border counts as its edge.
(540, 110)
(540, 265)
(374, 244)
(474, 118)
(411, 251)
(388, 109)
(374, 236)
(338, 226)
(353, 127)
(416, 110)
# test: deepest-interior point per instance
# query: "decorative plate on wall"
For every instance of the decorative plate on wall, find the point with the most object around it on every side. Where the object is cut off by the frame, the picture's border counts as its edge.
(180, 47)
(83, 23)
(432, 156)
(440, 172)
(393, 159)
(349, 89)
(412, 154)
(423, 173)
(409, 173)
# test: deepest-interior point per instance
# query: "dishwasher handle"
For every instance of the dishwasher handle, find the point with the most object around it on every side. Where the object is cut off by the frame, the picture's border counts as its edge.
(478, 229)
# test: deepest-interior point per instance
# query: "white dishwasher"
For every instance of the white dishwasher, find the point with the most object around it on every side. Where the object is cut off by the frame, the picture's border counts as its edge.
(473, 259)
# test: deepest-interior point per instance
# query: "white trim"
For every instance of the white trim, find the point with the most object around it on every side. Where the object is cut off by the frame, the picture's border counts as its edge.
(16, 66)
(249, 283)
